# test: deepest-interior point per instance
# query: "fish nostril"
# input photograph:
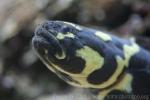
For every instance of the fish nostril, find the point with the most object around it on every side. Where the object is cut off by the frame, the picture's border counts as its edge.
(46, 25)
(47, 28)
(39, 31)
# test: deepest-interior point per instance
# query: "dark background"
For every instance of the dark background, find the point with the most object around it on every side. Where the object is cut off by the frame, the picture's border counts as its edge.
(22, 74)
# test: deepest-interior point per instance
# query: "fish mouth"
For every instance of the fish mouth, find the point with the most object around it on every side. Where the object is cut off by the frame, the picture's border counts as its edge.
(45, 43)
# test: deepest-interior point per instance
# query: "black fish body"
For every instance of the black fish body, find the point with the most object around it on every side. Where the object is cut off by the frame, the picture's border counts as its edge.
(89, 58)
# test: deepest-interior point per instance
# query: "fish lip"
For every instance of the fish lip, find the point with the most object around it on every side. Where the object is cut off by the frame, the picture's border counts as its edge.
(43, 35)
(38, 41)
(46, 40)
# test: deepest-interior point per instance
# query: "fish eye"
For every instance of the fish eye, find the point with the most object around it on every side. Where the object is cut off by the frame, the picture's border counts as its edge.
(69, 29)
(66, 29)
